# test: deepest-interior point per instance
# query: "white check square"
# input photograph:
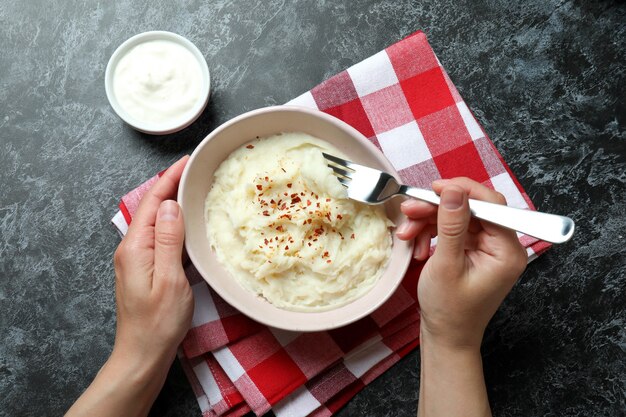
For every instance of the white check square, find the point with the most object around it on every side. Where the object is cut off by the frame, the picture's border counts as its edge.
(404, 146)
(373, 74)
(304, 100)
(504, 184)
(470, 123)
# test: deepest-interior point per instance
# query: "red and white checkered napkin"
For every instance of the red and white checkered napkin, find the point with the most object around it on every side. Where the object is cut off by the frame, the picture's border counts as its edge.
(403, 101)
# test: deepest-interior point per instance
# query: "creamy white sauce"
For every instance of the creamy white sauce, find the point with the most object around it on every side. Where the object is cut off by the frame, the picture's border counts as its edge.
(283, 226)
(158, 82)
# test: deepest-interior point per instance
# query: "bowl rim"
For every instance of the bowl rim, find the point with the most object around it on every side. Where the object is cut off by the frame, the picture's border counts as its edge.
(147, 127)
(339, 322)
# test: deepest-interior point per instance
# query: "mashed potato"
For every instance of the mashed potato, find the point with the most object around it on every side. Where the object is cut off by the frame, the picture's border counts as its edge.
(283, 226)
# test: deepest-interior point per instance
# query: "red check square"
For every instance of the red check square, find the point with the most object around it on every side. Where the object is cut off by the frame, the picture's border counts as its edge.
(255, 349)
(313, 352)
(427, 92)
(402, 56)
(353, 113)
(387, 108)
(334, 91)
(463, 161)
(489, 156)
(444, 130)
(277, 374)
(420, 175)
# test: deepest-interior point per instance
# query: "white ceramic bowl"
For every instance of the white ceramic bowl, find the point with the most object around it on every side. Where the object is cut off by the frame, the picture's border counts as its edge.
(196, 182)
(147, 127)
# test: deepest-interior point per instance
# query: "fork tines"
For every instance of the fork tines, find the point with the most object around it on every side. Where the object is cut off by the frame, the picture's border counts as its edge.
(341, 168)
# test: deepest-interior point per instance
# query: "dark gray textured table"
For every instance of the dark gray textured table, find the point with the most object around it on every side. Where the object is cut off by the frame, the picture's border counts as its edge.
(545, 79)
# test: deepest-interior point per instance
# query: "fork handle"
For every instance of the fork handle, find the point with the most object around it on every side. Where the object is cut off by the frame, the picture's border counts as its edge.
(545, 226)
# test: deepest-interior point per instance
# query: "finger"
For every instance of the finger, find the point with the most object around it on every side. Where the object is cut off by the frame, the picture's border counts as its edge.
(422, 246)
(164, 189)
(169, 234)
(478, 191)
(452, 223)
(416, 209)
(410, 228)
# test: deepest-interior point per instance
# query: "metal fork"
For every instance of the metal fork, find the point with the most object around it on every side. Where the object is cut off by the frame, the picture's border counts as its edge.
(372, 186)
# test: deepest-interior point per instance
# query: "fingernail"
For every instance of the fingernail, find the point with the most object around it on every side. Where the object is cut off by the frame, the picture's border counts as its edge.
(169, 210)
(452, 198)
(403, 228)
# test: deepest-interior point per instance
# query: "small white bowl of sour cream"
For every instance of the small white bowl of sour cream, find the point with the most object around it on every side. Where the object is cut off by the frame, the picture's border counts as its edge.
(158, 82)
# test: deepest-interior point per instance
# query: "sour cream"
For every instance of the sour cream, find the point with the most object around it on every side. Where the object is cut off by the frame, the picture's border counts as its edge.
(158, 82)
(283, 226)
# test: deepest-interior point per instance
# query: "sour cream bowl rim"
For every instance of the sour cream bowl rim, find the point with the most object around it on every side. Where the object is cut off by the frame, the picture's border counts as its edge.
(196, 181)
(147, 127)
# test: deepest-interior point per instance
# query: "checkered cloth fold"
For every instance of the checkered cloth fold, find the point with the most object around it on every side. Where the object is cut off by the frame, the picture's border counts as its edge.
(404, 102)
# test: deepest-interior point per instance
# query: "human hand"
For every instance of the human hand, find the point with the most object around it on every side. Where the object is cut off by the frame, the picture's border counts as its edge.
(154, 299)
(154, 307)
(473, 268)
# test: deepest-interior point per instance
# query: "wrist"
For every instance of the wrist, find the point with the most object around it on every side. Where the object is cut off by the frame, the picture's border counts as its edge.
(451, 340)
(139, 367)
(452, 381)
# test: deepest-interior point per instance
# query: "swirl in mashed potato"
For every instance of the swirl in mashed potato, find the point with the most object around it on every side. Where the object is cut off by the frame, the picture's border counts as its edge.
(283, 226)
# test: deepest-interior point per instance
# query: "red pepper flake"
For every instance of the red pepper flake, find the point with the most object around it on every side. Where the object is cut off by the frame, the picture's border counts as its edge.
(266, 241)
(289, 185)
(280, 228)
(328, 261)
(267, 179)
(327, 216)
(260, 246)
(272, 201)
(250, 146)
(260, 194)
(352, 236)
(269, 261)
(285, 194)
(309, 243)
(309, 221)
(308, 202)
(271, 239)
(325, 254)
(286, 247)
(302, 194)
(328, 200)
(314, 240)
(339, 216)
(287, 216)
(259, 187)
(284, 206)
(318, 205)
(266, 213)
(295, 200)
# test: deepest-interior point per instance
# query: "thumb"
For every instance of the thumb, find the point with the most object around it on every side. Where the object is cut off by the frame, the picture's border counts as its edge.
(169, 235)
(453, 218)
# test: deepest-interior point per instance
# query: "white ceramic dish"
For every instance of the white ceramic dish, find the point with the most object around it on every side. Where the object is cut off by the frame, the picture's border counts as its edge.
(147, 127)
(196, 183)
